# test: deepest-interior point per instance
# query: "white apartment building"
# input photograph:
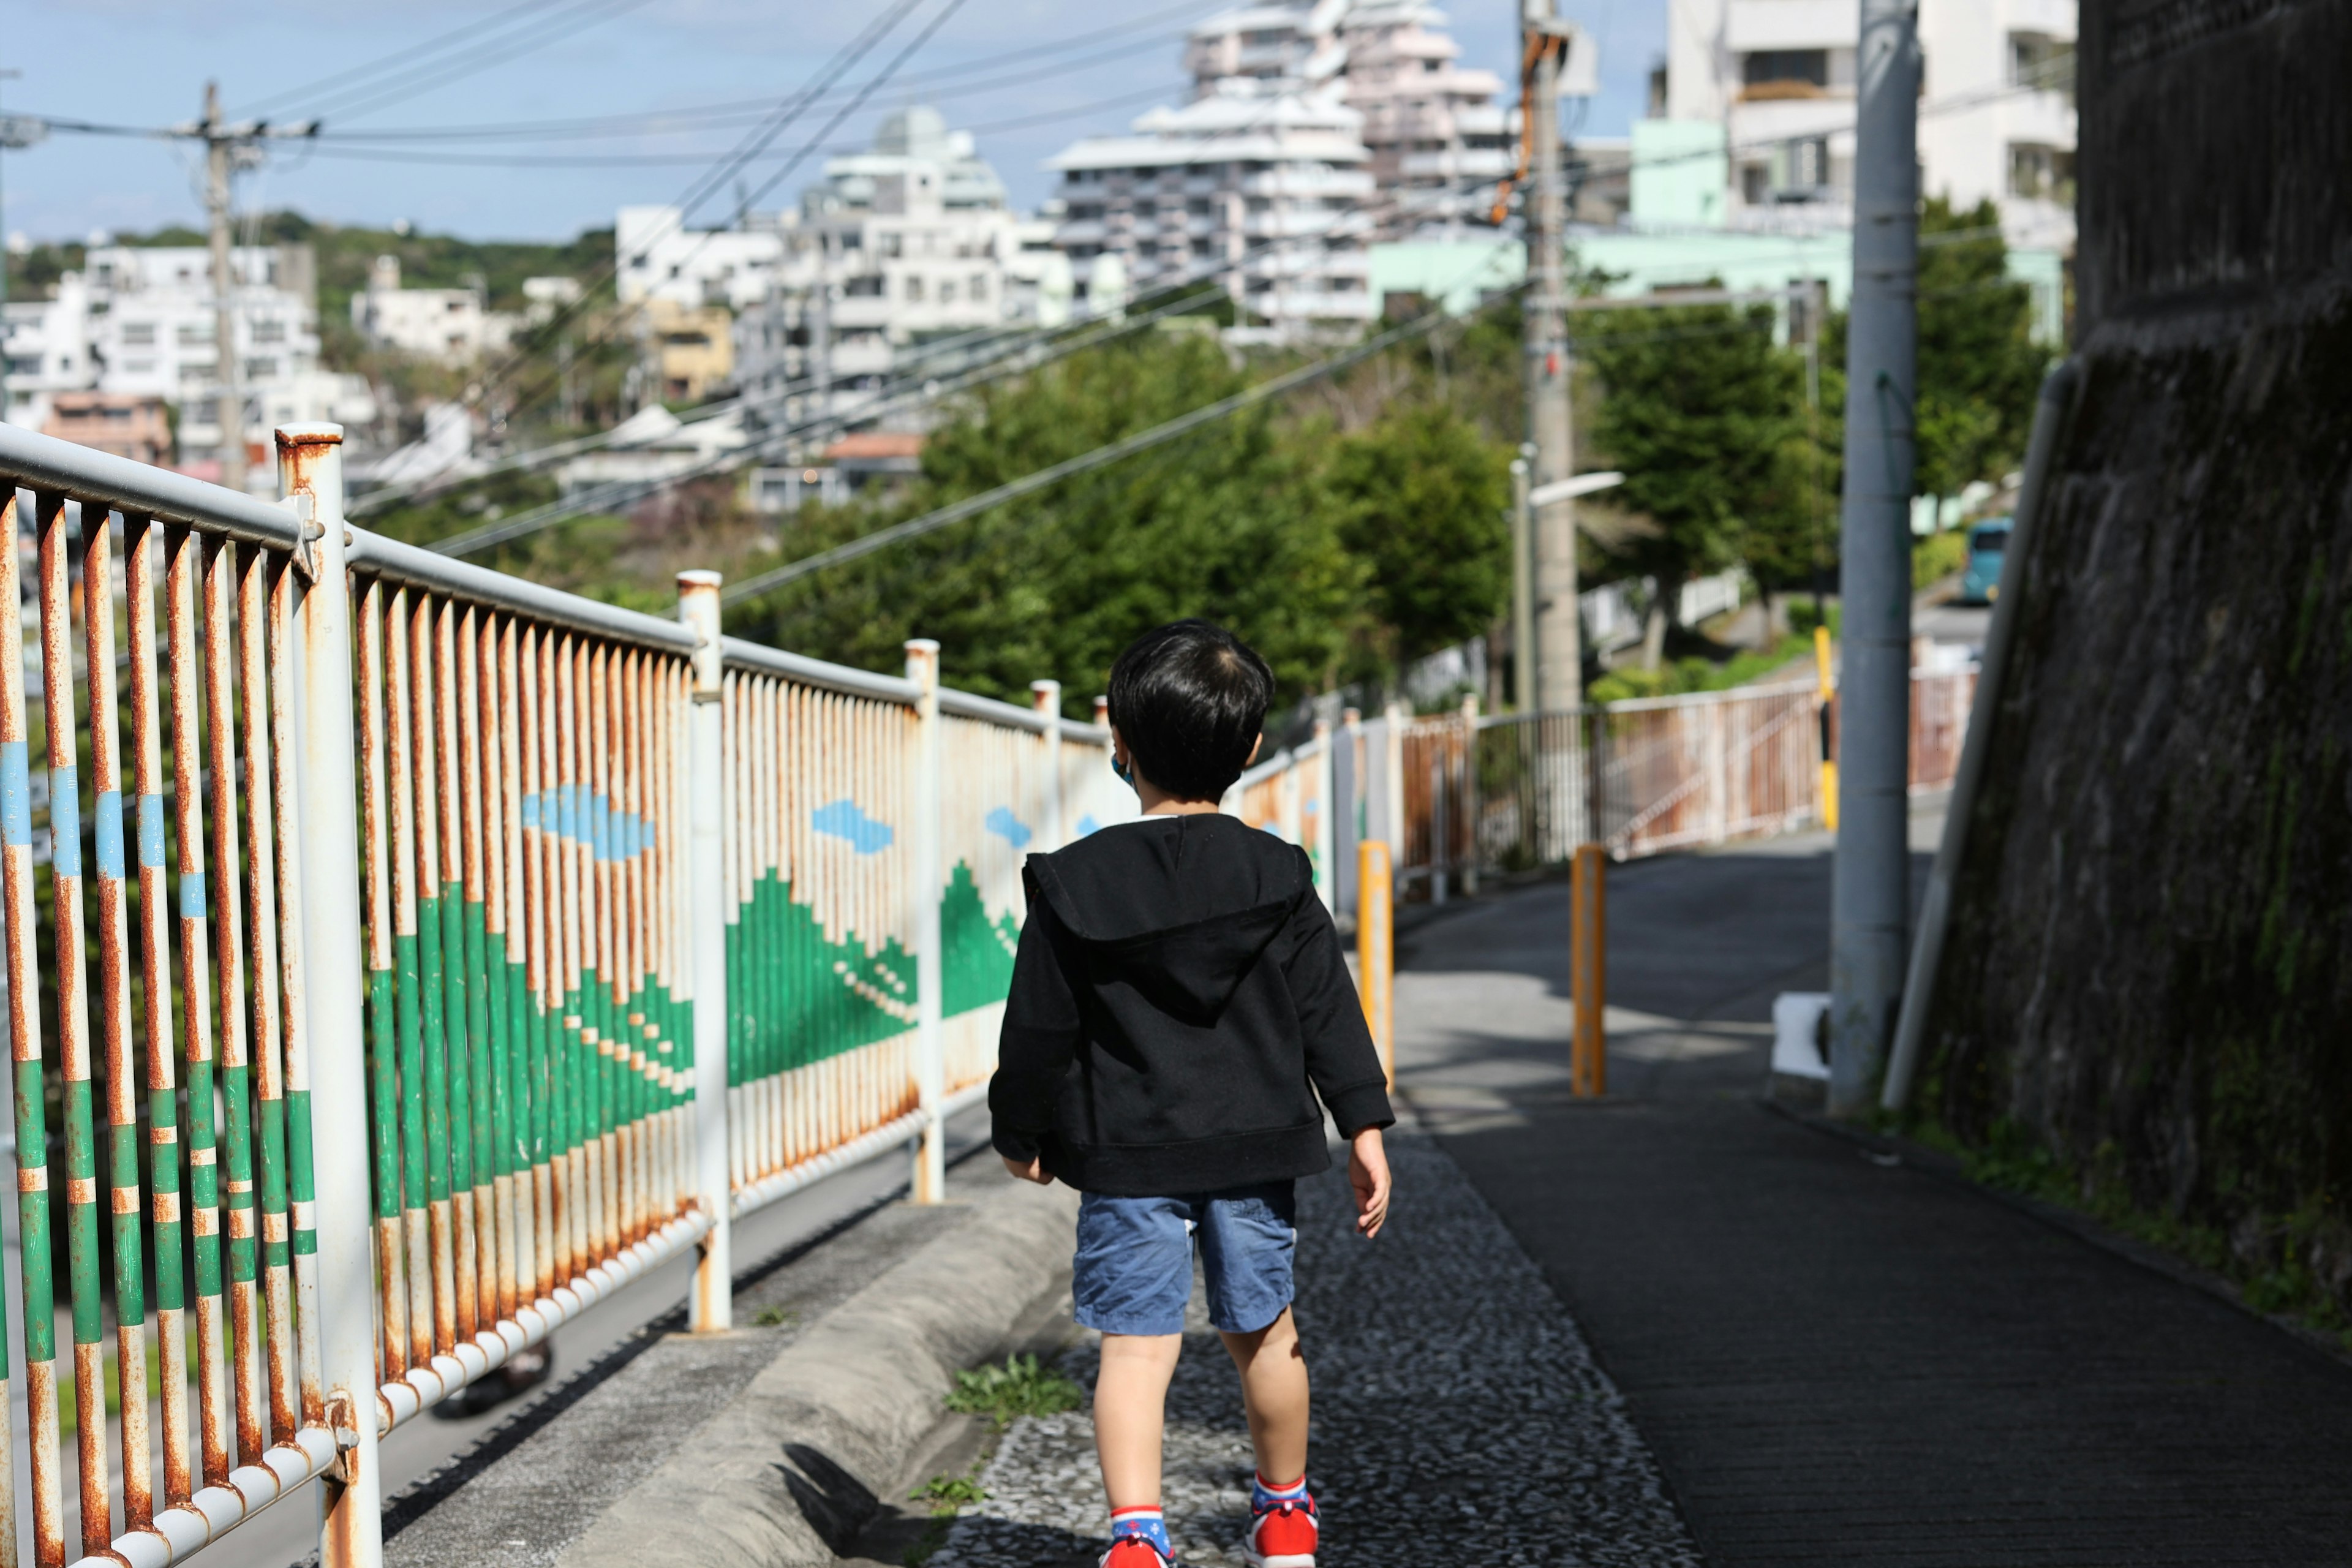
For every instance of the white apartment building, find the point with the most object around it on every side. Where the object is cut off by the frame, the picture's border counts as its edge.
(1439, 140)
(455, 326)
(1996, 122)
(140, 321)
(1258, 183)
(912, 239)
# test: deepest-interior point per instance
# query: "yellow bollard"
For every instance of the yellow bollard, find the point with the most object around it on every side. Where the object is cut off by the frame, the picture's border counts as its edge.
(1829, 756)
(1376, 949)
(1588, 972)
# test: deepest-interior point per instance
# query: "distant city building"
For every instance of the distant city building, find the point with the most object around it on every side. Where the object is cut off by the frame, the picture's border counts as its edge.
(455, 326)
(123, 424)
(695, 352)
(1439, 140)
(1314, 128)
(911, 240)
(140, 321)
(1259, 185)
(1769, 85)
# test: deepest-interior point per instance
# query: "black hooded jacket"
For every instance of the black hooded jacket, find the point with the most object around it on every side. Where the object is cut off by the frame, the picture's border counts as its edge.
(1178, 1001)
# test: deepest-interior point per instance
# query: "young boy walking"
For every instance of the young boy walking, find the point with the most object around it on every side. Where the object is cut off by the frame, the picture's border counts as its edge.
(1179, 1005)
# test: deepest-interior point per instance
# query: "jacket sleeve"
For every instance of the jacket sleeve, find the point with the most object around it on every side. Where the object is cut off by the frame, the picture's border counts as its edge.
(1341, 1057)
(1039, 1039)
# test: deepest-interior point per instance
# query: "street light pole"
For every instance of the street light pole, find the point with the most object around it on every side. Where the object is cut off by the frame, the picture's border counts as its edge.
(1870, 889)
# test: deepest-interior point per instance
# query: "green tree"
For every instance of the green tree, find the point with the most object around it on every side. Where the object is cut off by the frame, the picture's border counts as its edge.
(1979, 367)
(1421, 499)
(1704, 414)
(1228, 522)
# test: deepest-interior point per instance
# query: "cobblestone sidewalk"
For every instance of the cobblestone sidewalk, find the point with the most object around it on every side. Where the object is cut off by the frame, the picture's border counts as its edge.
(1459, 1419)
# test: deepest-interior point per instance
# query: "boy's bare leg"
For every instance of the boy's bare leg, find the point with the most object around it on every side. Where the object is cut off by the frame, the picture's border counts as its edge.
(1131, 1408)
(1274, 1389)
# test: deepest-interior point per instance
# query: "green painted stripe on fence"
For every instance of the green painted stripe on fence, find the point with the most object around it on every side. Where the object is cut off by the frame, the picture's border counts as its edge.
(203, 1175)
(431, 995)
(455, 1023)
(81, 1218)
(408, 970)
(33, 1217)
(383, 1094)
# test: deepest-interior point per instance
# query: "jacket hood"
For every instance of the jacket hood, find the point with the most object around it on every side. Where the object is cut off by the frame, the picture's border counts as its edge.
(1180, 907)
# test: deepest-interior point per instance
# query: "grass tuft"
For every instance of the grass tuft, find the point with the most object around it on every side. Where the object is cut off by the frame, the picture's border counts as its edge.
(1020, 1387)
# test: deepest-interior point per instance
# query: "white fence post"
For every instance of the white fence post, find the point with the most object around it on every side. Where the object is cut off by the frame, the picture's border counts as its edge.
(1392, 777)
(710, 1308)
(1327, 875)
(1045, 697)
(1469, 793)
(927, 880)
(351, 1530)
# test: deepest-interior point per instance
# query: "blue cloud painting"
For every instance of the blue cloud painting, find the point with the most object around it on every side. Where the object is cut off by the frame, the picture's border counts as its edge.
(843, 819)
(1007, 827)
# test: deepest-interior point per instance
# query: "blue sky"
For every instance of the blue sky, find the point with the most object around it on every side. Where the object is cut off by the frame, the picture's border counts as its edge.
(145, 63)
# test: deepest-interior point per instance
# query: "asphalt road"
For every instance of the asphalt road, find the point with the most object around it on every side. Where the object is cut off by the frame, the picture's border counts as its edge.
(1837, 1358)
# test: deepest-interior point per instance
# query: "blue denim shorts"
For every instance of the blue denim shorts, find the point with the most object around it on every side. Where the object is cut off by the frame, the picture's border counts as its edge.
(1133, 1272)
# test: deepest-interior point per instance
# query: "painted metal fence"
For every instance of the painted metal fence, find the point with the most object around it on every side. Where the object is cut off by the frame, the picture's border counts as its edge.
(461, 951)
(1456, 794)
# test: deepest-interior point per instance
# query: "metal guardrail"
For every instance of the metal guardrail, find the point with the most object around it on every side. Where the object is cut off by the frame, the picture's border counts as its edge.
(520, 940)
(1458, 795)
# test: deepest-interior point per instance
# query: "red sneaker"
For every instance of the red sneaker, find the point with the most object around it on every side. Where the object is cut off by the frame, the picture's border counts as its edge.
(1282, 1535)
(1135, 1552)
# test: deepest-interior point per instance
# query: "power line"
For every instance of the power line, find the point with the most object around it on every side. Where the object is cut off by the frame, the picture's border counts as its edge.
(431, 75)
(699, 190)
(342, 78)
(681, 121)
(1127, 447)
(327, 148)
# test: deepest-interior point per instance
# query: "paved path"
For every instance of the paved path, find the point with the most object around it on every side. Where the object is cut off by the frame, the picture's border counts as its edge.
(1836, 1361)
(1459, 1419)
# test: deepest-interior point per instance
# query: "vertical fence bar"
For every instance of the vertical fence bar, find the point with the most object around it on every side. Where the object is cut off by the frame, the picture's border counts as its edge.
(188, 696)
(260, 588)
(73, 1019)
(298, 1222)
(383, 1077)
(929, 881)
(399, 753)
(710, 1309)
(21, 915)
(351, 1532)
(1045, 697)
(122, 1179)
(155, 920)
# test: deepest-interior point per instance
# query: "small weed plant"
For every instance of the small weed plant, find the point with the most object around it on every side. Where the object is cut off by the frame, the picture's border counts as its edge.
(948, 1493)
(774, 1317)
(1020, 1387)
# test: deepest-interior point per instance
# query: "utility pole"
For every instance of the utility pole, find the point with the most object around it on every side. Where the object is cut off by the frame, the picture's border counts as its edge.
(1558, 651)
(227, 147)
(220, 149)
(1870, 890)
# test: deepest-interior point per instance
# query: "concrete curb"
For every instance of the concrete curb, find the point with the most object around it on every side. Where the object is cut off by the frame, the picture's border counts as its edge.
(789, 1471)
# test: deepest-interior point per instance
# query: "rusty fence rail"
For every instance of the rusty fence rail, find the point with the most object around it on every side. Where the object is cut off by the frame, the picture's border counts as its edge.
(422, 954)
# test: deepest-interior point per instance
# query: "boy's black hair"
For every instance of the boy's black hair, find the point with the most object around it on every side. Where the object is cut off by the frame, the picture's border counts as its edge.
(1190, 699)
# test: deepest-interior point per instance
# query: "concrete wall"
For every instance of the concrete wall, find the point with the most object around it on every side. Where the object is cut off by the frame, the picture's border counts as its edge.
(2151, 969)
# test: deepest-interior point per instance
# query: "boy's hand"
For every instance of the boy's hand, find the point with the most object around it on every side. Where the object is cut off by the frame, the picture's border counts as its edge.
(1034, 1171)
(1368, 1172)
